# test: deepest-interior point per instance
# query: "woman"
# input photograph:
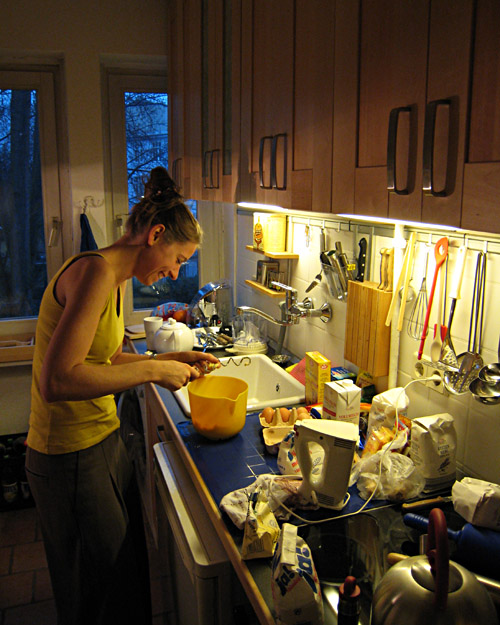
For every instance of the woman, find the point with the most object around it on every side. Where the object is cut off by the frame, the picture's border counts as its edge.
(77, 467)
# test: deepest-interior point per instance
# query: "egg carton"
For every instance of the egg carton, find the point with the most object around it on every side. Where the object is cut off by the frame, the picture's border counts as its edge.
(273, 436)
(282, 417)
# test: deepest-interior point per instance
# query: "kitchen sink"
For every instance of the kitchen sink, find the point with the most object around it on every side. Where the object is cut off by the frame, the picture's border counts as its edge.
(268, 383)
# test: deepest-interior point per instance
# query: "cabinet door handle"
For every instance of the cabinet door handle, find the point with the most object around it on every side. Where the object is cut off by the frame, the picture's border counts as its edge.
(176, 170)
(216, 184)
(261, 163)
(160, 431)
(428, 151)
(392, 139)
(207, 155)
(274, 151)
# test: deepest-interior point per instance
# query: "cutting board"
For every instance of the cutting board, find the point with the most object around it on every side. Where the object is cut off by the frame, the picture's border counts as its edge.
(367, 338)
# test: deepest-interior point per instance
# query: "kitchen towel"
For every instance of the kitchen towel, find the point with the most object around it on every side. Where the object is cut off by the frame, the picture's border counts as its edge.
(87, 242)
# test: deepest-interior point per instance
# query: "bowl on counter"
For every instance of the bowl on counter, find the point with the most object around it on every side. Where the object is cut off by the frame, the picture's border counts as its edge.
(218, 405)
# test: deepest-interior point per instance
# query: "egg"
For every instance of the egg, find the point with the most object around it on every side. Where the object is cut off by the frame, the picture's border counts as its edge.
(302, 412)
(267, 414)
(285, 414)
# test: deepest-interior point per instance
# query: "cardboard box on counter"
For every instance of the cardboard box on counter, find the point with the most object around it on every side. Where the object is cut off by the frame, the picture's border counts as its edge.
(341, 401)
(317, 374)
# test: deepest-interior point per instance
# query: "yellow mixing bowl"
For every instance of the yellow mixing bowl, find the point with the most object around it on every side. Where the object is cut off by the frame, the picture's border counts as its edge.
(218, 405)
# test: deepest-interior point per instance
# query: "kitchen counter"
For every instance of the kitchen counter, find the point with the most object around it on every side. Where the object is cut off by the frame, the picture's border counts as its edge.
(355, 545)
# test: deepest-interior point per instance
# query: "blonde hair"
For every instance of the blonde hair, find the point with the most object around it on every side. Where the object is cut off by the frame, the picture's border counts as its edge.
(163, 204)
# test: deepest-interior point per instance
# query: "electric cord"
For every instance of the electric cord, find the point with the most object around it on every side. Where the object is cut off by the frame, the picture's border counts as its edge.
(434, 377)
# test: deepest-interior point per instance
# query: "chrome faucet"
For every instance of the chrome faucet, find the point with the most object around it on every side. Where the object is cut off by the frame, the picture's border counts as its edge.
(292, 311)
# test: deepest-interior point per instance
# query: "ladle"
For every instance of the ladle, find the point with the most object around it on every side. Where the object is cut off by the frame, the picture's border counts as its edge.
(491, 373)
(484, 392)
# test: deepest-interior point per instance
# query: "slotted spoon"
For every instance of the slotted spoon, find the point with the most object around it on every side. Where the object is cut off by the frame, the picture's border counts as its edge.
(448, 355)
(471, 361)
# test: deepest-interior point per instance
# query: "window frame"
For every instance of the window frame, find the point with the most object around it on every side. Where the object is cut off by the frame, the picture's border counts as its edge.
(56, 197)
(117, 81)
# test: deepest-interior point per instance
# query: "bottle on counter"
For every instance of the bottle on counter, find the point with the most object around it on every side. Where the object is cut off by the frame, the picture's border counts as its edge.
(349, 604)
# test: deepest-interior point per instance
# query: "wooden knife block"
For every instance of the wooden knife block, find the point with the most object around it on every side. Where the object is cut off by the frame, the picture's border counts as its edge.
(367, 338)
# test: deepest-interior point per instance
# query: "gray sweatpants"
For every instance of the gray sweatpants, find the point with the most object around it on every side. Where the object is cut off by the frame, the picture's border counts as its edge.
(91, 519)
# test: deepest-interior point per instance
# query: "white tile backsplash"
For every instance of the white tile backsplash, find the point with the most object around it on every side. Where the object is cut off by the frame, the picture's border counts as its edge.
(477, 425)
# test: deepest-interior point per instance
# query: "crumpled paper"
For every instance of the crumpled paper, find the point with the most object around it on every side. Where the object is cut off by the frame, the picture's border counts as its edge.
(278, 490)
(477, 501)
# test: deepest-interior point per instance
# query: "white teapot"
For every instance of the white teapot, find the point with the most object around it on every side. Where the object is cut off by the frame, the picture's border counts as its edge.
(173, 336)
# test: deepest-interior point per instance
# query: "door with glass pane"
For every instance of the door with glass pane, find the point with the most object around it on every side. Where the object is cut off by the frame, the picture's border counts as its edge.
(138, 120)
(31, 238)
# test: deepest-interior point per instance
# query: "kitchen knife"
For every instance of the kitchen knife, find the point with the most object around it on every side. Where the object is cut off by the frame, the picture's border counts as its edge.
(329, 272)
(344, 261)
(339, 271)
(361, 260)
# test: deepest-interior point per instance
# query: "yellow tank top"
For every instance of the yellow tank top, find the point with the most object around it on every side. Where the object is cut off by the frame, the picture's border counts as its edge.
(66, 426)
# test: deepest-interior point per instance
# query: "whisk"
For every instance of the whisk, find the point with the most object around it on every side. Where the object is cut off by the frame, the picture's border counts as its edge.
(417, 315)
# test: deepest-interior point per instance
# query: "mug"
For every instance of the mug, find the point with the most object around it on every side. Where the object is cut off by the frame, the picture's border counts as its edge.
(151, 326)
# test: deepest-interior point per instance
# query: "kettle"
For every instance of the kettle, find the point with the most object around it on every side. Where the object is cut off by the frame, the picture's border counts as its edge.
(431, 589)
(173, 336)
(338, 440)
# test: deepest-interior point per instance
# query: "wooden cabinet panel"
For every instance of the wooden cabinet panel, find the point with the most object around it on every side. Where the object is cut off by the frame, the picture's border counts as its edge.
(313, 105)
(481, 208)
(267, 97)
(176, 92)
(287, 102)
(393, 68)
(448, 80)
(192, 99)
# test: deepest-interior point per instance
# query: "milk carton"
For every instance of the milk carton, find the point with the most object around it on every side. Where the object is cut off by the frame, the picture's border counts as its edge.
(341, 401)
(317, 373)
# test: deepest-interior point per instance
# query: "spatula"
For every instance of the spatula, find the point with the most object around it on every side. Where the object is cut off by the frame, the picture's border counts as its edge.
(440, 254)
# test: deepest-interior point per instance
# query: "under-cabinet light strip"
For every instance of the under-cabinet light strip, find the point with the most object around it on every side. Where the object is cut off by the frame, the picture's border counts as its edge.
(376, 226)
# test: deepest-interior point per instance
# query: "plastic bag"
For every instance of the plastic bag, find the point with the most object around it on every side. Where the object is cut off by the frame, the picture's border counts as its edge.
(383, 409)
(294, 581)
(400, 479)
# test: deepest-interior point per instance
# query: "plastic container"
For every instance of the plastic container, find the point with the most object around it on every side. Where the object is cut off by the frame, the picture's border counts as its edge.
(218, 406)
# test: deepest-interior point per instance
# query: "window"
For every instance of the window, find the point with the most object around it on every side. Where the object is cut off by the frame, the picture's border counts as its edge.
(138, 123)
(31, 235)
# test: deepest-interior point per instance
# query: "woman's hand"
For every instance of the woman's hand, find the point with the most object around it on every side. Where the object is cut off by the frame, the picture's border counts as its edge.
(173, 375)
(201, 362)
(189, 357)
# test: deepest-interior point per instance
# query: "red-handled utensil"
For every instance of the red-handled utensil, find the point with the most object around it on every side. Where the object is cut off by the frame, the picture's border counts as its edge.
(440, 254)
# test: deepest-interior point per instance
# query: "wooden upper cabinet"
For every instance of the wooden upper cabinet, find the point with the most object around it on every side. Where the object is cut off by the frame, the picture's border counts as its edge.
(392, 81)
(287, 103)
(176, 93)
(311, 172)
(192, 62)
(481, 206)
(266, 100)
(202, 78)
(411, 115)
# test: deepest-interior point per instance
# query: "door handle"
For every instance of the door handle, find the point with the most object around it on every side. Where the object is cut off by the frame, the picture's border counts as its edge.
(274, 151)
(392, 138)
(261, 162)
(212, 184)
(428, 151)
(54, 232)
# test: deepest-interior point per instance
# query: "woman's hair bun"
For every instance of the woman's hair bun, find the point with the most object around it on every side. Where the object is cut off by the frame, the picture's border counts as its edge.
(159, 185)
